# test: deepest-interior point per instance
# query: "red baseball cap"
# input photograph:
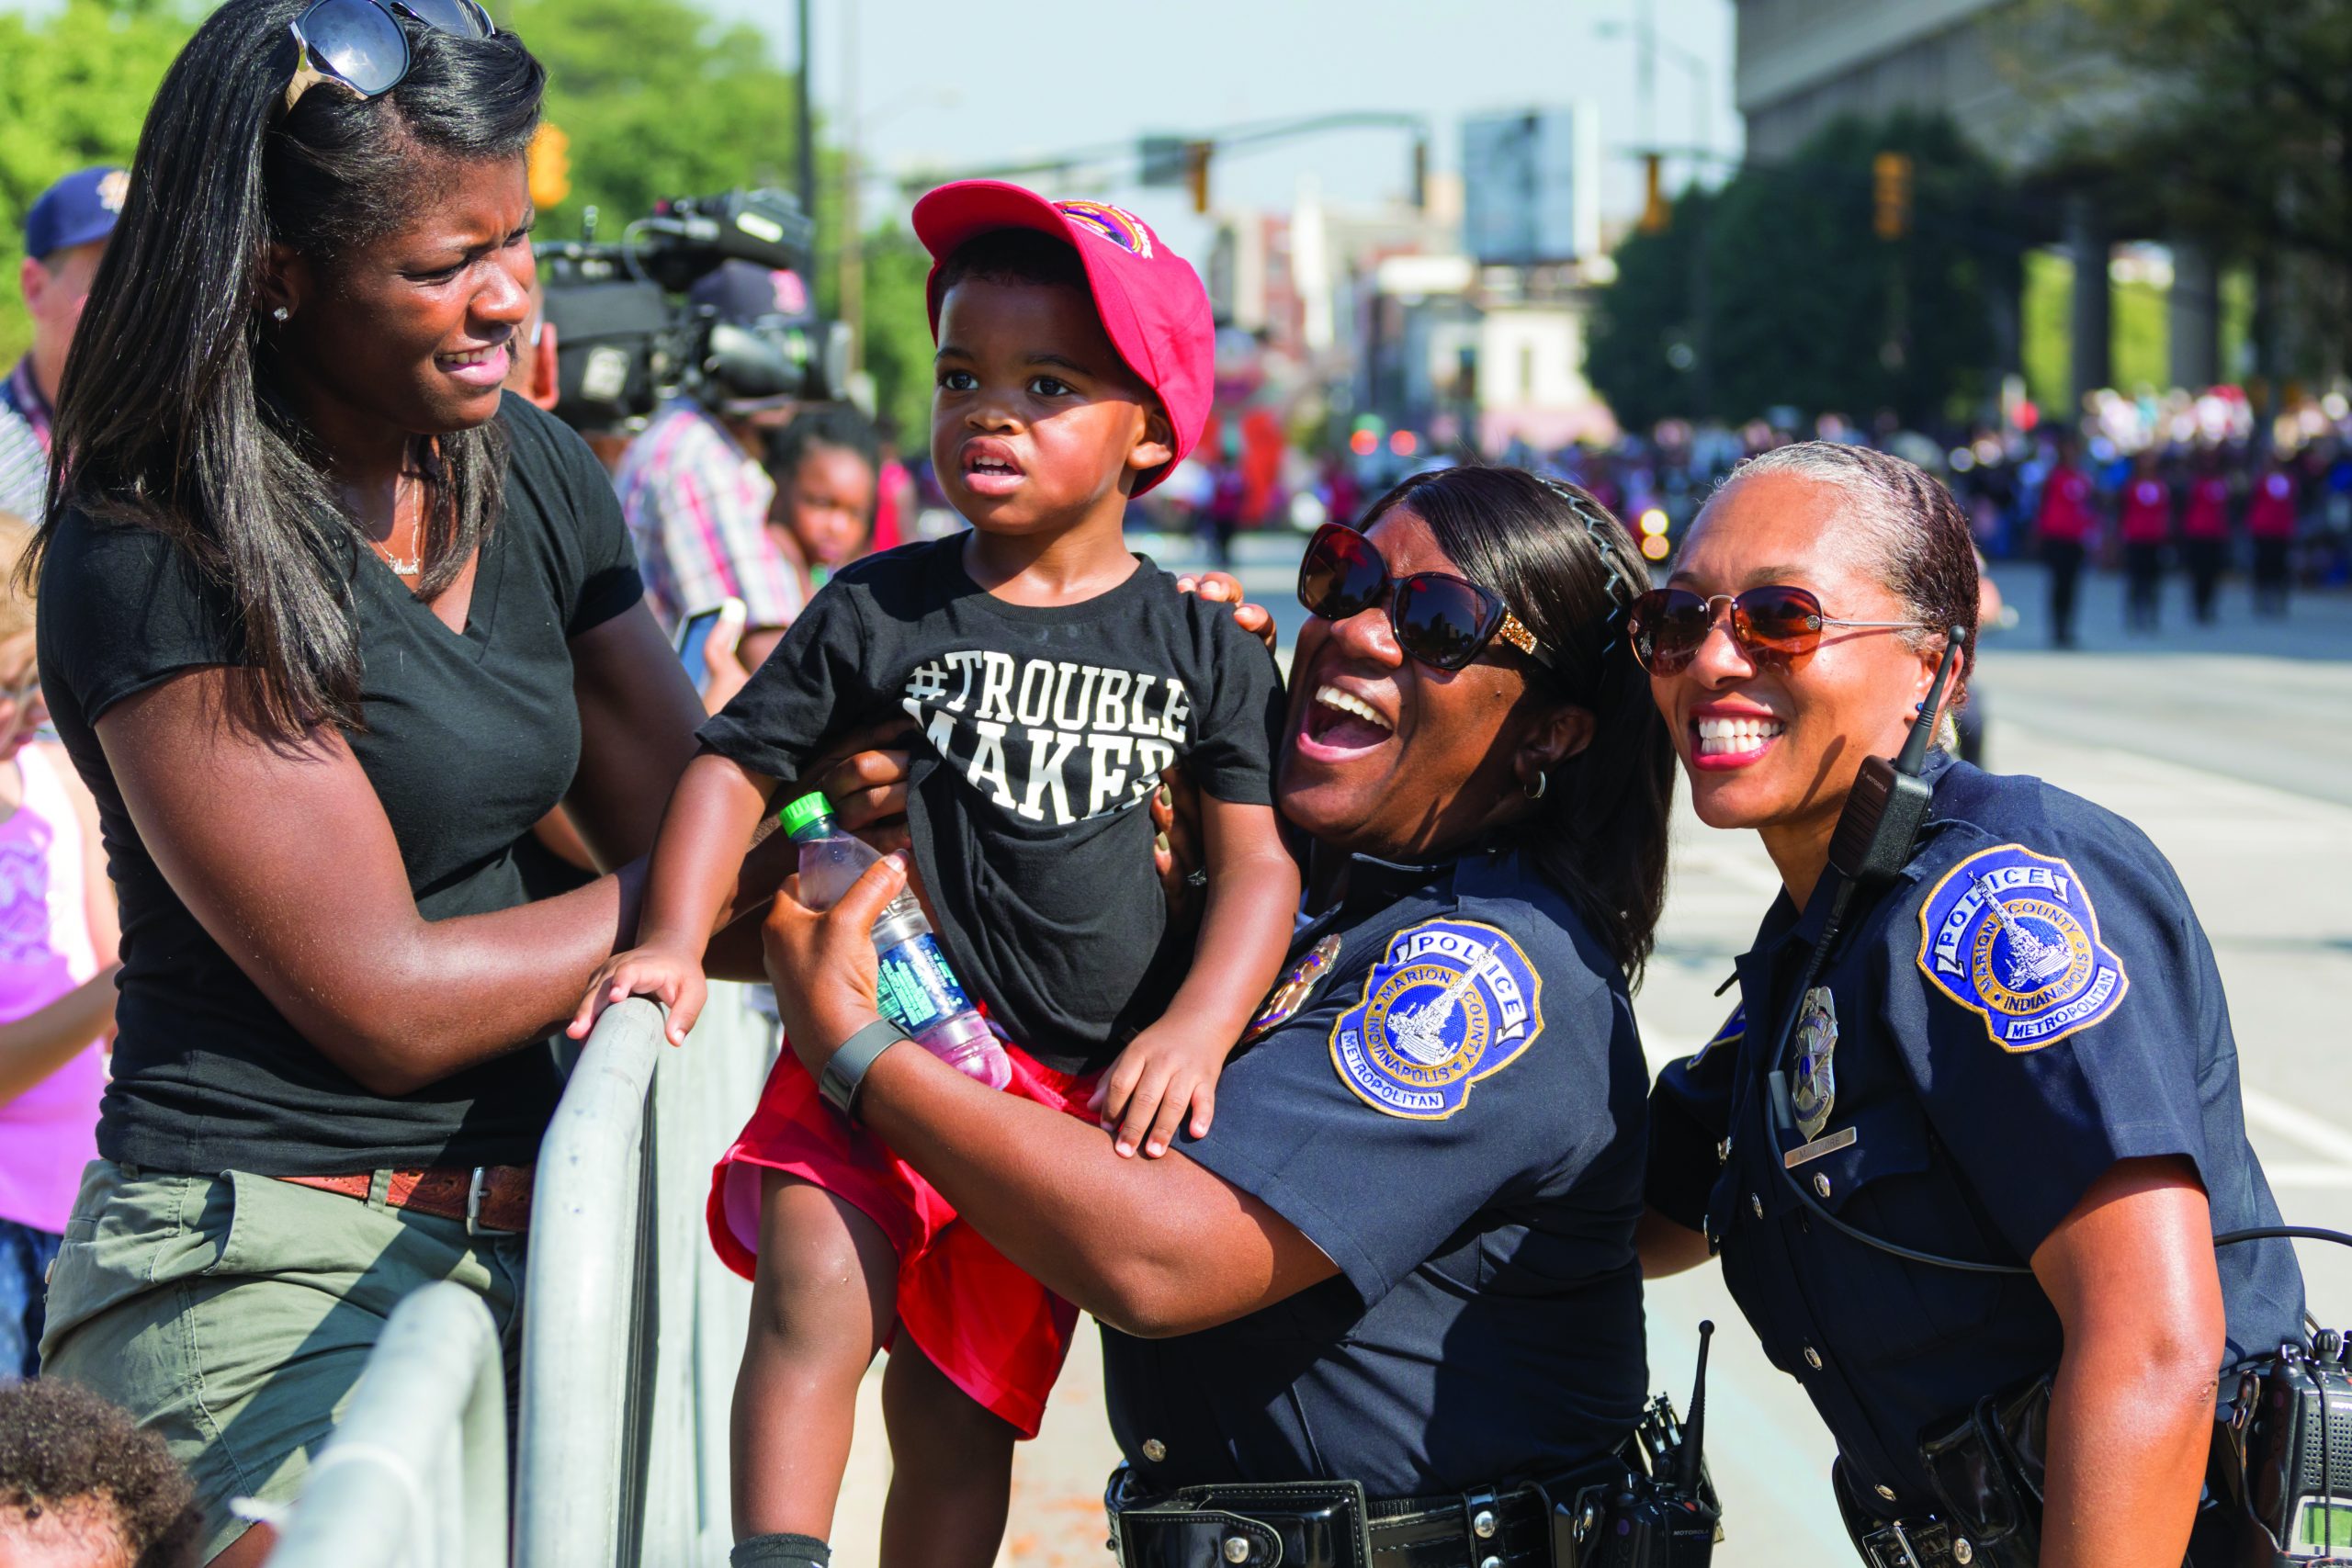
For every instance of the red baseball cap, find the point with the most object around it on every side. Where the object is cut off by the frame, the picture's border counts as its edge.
(1150, 298)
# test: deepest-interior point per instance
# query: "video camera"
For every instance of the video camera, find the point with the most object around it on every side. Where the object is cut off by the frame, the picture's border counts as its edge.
(624, 343)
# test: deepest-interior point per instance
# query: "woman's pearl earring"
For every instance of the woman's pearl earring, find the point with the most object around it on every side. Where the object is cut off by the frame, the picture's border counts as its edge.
(280, 314)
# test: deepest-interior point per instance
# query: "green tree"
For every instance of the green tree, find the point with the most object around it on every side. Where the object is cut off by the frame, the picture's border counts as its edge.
(658, 100)
(2245, 108)
(897, 333)
(74, 84)
(1791, 297)
(1641, 343)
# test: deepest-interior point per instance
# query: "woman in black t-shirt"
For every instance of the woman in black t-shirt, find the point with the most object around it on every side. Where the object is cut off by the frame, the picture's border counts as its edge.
(330, 625)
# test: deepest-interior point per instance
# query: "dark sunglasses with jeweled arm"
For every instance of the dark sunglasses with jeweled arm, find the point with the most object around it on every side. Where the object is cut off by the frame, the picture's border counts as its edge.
(1440, 620)
(359, 47)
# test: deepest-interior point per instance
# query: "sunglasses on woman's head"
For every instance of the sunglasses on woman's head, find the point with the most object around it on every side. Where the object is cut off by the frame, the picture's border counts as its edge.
(1771, 624)
(1440, 620)
(358, 45)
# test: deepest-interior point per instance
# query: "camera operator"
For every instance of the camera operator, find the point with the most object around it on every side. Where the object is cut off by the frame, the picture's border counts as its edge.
(693, 491)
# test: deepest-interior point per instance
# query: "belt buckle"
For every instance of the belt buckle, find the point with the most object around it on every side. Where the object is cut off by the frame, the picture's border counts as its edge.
(1891, 1547)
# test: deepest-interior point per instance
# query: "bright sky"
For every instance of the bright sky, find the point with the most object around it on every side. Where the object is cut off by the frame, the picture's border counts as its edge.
(953, 83)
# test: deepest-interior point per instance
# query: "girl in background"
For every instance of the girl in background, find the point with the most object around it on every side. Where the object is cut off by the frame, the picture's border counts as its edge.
(58, 935)
(824, 465)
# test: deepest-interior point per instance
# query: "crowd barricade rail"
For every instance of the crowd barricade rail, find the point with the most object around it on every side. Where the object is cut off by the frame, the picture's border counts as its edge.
(580, 1499)
(416, 1474)
(632, 1327)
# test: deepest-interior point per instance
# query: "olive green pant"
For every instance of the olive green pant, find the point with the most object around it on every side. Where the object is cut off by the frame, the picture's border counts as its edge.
(233, 1313)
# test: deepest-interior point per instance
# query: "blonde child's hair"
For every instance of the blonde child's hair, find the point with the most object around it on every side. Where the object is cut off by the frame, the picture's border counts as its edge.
(16, 597)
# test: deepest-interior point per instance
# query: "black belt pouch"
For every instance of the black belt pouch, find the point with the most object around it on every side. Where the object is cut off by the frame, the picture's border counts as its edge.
(1987, 1470)
(1303, 1524)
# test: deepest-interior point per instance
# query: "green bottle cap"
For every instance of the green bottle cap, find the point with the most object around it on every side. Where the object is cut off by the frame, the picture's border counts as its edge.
(810, 808)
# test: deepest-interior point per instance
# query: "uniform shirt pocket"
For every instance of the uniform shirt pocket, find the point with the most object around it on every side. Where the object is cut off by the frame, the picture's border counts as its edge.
(1893, 1182)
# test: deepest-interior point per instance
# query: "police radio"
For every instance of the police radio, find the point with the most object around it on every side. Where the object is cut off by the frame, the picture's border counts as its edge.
(1665, 1513)
(2282, 1451)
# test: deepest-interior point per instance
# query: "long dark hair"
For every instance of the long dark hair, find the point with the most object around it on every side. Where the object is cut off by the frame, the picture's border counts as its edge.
(1549, 548)
(172, 415)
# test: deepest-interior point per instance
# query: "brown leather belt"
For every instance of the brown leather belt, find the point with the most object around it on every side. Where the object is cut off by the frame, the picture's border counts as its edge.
(492, 1200)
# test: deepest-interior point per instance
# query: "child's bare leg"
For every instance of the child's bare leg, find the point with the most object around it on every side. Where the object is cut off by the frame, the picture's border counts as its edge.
(823, 1298)
(951, 1476)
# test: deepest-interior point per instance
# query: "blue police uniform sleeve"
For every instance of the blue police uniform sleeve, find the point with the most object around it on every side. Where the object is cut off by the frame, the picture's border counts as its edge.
(2058, 1006)
(1690, 1113)
(1381, 1132)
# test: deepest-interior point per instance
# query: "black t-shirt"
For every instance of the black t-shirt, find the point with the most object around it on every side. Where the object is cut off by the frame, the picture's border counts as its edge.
(1045, 729)
(469, 739)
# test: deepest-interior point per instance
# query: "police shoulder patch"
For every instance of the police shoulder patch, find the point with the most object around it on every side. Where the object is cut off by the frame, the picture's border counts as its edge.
(1735, 1028)
(1451, 1002)
(2011, 935)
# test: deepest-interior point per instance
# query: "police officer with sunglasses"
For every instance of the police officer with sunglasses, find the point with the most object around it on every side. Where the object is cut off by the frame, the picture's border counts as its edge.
(1966, 1142)
(1387, 1310)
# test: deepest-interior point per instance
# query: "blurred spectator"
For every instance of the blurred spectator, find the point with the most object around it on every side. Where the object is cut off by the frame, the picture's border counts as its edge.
(531, 360)
(823, 466)
(66, 234)
(895, 501)
(2205, 533)
(81, 1486)
(2063, 528)
(58, 936)
(2271, 521)
(2144, 528)
(697, 498)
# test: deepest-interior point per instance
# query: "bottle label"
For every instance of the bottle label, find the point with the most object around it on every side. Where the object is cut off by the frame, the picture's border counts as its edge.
(917, 989)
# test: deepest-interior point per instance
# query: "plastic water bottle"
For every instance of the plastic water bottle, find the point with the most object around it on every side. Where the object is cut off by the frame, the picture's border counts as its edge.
(917, 990)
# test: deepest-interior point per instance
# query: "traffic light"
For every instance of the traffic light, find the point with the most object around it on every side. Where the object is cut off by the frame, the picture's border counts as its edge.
(549, 165)
(1655, 214)
(1890, 179)
(1196, 172)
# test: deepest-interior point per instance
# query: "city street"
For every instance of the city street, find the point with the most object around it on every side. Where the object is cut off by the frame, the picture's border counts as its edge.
(2231, 746)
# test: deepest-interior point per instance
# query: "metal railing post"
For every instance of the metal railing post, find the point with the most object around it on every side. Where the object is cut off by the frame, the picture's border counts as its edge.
(576, 1499)
(417, 1472)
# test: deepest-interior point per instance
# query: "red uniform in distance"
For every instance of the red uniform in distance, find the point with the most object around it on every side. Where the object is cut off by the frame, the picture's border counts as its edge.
(2272, 516)
(2147, 512)
(2208, 516)
(2065, 507)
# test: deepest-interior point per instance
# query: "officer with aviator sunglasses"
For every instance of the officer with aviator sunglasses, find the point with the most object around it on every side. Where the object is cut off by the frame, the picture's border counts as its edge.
(1965, 1143)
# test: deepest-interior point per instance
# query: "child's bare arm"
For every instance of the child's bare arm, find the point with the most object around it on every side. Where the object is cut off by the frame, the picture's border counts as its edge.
(1169, 1072)
(690, 884)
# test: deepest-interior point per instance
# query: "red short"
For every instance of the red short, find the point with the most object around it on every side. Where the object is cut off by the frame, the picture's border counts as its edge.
(999, 1334)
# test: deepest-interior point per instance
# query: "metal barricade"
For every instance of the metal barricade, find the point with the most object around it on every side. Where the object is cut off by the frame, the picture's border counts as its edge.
(416, 1474)
(632, 1328)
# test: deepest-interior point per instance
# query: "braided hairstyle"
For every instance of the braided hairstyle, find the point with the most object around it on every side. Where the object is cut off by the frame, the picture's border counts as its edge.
(1570, 571)
(1912, 536)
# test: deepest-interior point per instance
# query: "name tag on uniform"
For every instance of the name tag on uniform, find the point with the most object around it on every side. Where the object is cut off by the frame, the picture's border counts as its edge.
(1842, 1138)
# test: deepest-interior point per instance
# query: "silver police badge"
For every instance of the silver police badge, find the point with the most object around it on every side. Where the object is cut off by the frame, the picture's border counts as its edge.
(1817, 1086)
(1286, 997)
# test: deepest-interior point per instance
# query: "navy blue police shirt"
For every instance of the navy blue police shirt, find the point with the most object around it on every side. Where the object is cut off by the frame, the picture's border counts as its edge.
(2032, 1002)
(1446, 1096)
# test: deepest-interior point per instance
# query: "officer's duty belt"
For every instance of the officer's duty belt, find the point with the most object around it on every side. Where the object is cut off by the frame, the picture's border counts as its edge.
(1331, 1524)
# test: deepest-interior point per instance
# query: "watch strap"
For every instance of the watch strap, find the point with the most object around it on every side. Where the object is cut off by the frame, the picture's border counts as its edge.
(846, 1069)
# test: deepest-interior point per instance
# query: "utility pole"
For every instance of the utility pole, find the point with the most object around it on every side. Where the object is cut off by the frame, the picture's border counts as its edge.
(804, 120)
(853, 252)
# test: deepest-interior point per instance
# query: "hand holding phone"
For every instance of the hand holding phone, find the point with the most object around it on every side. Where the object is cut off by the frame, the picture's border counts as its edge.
(723, 624)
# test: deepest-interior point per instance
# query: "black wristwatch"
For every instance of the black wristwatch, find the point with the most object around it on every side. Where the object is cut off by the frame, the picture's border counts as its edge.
(846, 1069)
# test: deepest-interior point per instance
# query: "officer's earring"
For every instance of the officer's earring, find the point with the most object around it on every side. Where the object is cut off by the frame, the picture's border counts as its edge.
(1543, 782)
(280, 315)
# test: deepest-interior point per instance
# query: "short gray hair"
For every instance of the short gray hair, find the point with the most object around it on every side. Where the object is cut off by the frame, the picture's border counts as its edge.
(1917, 538)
